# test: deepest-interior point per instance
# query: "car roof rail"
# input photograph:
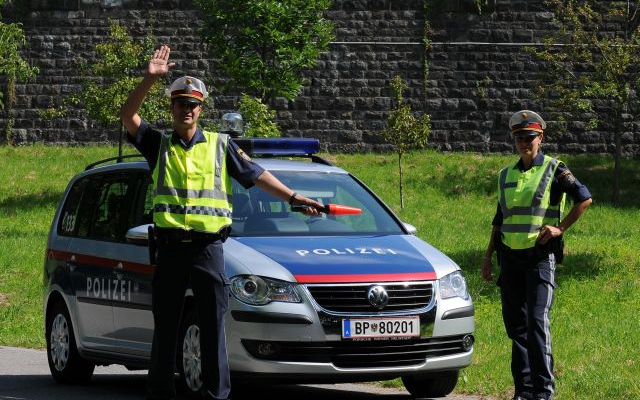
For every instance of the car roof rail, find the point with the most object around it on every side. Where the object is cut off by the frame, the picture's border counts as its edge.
(320, 160)
(118, 159)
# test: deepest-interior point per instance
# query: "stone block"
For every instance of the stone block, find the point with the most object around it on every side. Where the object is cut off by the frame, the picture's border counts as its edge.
(626, 137)
(374, 116)
(362, 103)
(630, 150)
(381, 103)
(597, 148)
(572, 148)
(450, 104)
(590, 137)
(469, 125)
(467, 105)
(299, 114)
(46, 63)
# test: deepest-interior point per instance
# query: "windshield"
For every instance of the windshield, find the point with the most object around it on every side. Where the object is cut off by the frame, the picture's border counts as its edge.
(257, 213)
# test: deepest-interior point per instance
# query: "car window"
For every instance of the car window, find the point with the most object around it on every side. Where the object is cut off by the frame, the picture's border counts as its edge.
(100, 207)
(257, 213)
(68, 224)
(112, 215)
(87, 206)
(144, 213)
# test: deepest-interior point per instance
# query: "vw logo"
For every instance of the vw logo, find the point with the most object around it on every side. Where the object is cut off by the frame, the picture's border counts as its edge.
(378, 297)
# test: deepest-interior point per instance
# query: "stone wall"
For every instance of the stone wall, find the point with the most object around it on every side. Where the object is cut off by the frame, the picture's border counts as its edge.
(478, 72)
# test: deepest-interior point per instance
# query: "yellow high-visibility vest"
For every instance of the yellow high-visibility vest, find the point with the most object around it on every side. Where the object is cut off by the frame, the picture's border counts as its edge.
(525, 201)
(192, 189)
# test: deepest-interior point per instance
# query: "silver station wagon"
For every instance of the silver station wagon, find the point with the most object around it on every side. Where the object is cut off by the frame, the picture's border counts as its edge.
(332, 298)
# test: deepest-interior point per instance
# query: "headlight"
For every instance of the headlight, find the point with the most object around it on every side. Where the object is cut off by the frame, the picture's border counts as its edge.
(258, 291)
(453, 285)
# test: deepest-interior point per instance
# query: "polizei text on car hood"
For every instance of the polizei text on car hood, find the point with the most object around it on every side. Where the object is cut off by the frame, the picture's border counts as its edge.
(337, 259)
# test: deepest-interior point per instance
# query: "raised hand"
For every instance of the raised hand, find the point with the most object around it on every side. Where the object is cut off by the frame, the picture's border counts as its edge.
(159, 64)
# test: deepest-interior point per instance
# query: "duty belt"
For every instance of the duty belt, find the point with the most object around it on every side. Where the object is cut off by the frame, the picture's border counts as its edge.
(539, 251)
(183, 235)
(528, 253)
(555, 245)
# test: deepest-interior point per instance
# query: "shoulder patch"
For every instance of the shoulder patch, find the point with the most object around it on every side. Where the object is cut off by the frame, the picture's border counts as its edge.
(242, 154)
(566, 179)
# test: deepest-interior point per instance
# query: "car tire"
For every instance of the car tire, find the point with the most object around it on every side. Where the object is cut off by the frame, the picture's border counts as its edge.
(65, 363)
(188, 357)
(439, 384)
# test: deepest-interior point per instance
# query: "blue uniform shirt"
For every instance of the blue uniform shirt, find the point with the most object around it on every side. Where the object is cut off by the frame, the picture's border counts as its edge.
(240, 167)
(563, 182)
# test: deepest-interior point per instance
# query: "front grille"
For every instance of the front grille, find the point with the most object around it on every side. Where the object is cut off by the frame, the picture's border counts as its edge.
(358, 354)
(352, 298)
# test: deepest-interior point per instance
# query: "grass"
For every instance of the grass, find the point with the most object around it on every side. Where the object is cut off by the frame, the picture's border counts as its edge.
(451, 199)
(32, 180)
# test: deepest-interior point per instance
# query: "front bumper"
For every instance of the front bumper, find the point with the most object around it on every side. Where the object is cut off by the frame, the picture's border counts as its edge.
(303, 343)
(302, 372)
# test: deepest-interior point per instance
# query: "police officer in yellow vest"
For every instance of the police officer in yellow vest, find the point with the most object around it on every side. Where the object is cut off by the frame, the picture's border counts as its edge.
(192, 172)
(527, 236)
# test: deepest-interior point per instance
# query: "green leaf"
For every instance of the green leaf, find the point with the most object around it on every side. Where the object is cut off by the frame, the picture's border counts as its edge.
(109, 80)
(265, 46)
(258, 118)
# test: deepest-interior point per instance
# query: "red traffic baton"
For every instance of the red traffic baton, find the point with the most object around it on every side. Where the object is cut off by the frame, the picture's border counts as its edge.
(331, 209)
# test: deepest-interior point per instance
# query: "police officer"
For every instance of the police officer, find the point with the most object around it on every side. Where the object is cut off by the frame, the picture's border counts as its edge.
(527, 235)
(192, 215)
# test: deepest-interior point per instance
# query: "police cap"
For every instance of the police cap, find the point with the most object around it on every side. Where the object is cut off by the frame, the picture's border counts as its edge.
(188, 88)
(526, 123)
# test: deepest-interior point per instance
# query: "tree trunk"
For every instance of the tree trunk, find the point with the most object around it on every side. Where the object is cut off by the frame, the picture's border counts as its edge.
(617, 172)
(122, 133)
(9, 103)
(400, 168)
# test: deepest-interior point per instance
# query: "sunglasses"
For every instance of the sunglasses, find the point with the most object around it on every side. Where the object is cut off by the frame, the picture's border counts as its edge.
(187, 104)
(527, 138)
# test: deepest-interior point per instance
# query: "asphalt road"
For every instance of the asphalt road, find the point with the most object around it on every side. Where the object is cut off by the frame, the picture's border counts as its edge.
(24, 375)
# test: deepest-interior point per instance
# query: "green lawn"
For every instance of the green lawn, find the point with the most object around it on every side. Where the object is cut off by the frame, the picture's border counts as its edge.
(451, 199)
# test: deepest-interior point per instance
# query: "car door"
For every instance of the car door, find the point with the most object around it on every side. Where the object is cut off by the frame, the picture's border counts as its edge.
(91, 269)
(133, 319)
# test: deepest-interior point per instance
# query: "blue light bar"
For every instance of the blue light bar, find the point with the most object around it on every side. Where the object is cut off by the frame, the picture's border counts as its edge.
(278, 147)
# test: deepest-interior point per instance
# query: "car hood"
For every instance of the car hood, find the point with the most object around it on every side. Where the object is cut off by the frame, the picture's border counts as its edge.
(337, 259)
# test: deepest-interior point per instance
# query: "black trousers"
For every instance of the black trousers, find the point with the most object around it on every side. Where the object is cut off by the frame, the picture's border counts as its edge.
(201, 265)
(527, 285)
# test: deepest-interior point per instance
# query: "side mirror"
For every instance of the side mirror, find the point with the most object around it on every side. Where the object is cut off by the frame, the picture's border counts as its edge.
(412, 230)
(139, 235)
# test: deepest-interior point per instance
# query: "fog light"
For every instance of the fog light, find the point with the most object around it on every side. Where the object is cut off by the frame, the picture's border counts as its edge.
(467, 342)
(267, 349)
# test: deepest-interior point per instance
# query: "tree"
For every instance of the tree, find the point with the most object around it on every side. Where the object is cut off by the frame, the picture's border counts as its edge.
(12, 66)
(258, 118)
(263, 46)
(592, 71)
(404, 131)
(108, 82)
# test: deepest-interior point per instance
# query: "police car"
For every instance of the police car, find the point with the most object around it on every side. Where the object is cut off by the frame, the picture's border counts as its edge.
(331, 298)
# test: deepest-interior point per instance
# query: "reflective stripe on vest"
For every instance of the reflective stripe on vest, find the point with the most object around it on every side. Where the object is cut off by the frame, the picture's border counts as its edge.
(192, 189)
(198, 210)
(525, 202)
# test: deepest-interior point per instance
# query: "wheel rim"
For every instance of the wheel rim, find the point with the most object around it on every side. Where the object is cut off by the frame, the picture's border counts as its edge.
(60, 342)
(191, 358)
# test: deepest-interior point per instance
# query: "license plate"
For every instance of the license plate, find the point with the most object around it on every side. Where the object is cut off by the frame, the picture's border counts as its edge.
(380, 327)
